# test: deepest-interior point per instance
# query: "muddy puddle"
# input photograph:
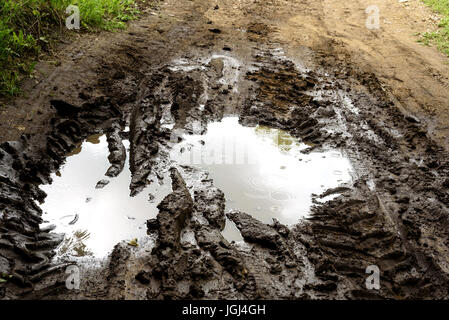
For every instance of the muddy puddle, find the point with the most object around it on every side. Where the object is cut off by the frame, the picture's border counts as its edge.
(93, 218)
(263, 171)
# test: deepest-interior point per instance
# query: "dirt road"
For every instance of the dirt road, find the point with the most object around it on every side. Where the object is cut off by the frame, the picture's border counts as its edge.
(311, 68)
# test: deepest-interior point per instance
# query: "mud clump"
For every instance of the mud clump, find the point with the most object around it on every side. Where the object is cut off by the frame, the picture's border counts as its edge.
(211, 203)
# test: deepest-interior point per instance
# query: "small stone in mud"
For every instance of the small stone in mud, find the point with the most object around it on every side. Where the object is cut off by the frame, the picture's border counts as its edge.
(151, 198)
(102, 183)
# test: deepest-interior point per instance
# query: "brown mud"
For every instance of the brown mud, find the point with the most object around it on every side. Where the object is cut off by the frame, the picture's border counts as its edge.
(233, 60)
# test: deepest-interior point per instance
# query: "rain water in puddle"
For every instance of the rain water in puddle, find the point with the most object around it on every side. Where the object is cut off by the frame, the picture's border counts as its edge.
(262, 171)
(94, 220)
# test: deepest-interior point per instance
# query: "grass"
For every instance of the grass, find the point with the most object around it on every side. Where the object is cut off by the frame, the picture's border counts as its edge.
(28, 27)
(440, 37)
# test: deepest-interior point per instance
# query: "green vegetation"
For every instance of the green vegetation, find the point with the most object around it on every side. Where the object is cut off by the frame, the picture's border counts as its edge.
(27, 28)
(440, 37)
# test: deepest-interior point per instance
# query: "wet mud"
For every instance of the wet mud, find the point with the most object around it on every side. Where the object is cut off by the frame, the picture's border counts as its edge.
(393, 214)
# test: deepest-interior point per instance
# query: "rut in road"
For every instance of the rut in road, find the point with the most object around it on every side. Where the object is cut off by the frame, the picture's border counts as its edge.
(393, 215)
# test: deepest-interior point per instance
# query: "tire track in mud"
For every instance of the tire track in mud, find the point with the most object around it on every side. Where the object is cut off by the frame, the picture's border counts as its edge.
(395, 215)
